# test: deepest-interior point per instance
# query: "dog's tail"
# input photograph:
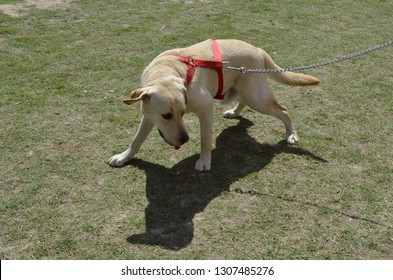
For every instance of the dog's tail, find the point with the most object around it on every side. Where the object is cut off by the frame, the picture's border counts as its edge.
(289, 78)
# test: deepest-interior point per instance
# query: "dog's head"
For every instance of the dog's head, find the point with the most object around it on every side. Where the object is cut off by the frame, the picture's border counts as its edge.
(164, 104)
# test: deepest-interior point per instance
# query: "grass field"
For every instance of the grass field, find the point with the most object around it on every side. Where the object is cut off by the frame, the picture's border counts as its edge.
(65, 69)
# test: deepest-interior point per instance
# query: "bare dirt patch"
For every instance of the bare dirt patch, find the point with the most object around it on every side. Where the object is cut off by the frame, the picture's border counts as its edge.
(21, 9)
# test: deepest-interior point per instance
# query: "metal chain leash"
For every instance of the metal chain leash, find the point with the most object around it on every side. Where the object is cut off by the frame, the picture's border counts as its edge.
(311, 66)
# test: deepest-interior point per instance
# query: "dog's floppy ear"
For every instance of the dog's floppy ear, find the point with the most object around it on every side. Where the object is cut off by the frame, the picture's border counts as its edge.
(137, 95)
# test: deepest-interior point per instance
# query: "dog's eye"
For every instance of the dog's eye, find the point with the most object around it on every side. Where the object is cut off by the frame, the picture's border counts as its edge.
(167, 116)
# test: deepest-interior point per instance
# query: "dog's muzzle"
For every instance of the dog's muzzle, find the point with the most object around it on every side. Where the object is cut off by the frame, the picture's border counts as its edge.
(162, 135)
(182, 140)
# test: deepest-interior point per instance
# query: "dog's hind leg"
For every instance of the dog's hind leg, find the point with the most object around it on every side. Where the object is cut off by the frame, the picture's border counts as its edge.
(235, 112)
(280, 112)
(262, 100)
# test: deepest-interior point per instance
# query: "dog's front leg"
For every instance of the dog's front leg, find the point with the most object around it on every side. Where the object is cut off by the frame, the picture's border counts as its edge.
(206, 126)
(144, 130)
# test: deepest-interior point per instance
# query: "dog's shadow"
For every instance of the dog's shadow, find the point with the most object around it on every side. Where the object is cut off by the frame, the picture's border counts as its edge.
(177, 194)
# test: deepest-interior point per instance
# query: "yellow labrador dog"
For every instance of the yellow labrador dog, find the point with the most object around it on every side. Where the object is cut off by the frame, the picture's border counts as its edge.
(189, 79)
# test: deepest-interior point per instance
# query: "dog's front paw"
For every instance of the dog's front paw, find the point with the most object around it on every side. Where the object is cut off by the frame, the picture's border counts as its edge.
(119, 160)
(203, 164)
(292, 139)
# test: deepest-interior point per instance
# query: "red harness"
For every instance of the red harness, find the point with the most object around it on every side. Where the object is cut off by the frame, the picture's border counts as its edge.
(216, 64)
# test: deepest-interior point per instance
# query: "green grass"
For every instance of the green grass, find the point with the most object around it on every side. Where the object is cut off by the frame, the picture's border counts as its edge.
(63, 75)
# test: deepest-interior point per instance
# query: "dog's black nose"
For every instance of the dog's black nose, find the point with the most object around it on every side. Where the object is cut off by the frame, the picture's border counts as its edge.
(184, 138)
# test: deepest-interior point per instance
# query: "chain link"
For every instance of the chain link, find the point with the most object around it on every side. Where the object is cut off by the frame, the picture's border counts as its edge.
(311, 66)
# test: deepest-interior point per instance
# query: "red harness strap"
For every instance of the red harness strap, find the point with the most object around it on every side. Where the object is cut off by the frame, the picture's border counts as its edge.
(216, 64)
